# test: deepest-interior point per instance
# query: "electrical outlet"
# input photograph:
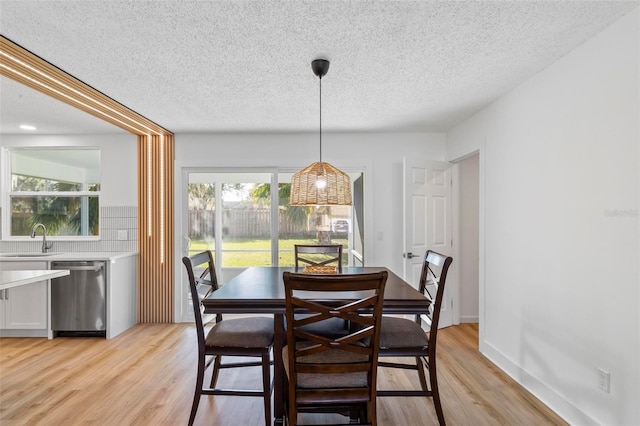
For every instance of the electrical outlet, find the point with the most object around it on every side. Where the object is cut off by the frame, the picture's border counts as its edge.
(122, 235)
(604, 380)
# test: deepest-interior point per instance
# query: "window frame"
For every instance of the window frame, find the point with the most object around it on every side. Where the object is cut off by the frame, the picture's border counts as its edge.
(8, 194)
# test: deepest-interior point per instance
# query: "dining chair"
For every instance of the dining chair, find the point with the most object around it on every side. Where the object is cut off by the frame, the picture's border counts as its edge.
(326, 374)
(250, 337)
(405, 338)
(318, 255)
(322, 255)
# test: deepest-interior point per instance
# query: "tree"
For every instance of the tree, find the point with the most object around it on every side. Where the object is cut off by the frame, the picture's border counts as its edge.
(202, 196)
(296, 214)
(63, 215)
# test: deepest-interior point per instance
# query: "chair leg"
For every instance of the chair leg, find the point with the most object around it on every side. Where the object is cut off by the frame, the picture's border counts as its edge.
(292, 418)
(421, 364)
(266, 387)
(372, 418)
(292, 409)
(198, 391)
(215, 371)
(433, 378)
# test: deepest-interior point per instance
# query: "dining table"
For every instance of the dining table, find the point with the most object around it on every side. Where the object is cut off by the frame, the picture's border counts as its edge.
(260, 290)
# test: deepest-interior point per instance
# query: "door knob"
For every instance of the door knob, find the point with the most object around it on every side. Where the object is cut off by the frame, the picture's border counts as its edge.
(408, 255)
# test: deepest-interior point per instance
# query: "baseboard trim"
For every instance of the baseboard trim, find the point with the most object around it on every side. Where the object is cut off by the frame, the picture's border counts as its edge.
(549, 397)
(469, 319)
(23, 333)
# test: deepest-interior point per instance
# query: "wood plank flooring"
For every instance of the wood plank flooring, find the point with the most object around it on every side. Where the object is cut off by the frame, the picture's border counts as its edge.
(146, 377)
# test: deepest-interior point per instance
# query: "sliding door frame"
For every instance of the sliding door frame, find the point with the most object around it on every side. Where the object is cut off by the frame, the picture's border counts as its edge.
(180, 281)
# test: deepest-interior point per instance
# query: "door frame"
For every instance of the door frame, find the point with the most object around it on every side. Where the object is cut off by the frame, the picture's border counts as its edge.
(457, 243)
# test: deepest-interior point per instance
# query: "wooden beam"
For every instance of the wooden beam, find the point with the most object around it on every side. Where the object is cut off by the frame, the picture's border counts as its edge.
(155, 170)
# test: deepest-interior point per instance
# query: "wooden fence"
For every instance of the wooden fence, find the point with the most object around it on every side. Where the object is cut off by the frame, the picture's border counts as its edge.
(243, 224)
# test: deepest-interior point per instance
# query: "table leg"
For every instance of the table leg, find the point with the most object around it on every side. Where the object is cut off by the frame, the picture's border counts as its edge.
(278, 370)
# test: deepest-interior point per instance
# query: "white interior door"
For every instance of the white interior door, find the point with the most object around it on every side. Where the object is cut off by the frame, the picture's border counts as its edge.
(427, 220)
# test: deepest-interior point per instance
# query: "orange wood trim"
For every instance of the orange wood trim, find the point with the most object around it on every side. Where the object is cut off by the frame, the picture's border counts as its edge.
(169, 160)
(155, 249)
(21, 65)
(156, 267)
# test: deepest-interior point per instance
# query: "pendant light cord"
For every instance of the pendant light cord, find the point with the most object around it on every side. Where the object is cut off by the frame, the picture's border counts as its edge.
(321, 119)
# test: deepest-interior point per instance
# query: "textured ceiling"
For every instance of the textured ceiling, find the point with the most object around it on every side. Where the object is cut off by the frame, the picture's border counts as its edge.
(244, 66)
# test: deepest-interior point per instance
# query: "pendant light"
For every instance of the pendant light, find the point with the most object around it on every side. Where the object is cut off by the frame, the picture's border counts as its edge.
(320, 183)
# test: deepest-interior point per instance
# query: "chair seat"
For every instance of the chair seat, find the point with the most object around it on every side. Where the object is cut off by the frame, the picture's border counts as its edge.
(254, 332)
(402, 333)
(320, 381)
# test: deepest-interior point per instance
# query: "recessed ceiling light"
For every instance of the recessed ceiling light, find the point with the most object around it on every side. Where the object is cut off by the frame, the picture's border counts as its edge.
(27, 127)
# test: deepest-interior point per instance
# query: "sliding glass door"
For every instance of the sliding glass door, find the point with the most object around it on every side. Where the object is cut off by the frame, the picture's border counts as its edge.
(227, 214)
(310, 225)
(236, 215)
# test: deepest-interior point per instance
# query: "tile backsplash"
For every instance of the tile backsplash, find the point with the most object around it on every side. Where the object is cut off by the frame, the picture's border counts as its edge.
(118, 232)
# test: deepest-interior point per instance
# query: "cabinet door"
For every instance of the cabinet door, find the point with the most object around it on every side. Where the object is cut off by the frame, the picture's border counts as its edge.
(25, 307)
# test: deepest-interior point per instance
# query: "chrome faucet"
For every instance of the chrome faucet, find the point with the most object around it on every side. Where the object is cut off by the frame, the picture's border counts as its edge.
(45, 246)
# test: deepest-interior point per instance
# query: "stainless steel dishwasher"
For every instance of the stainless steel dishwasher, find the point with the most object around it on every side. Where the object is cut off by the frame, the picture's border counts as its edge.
(78, 300)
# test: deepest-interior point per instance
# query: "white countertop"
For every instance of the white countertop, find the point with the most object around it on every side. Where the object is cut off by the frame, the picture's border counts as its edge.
(56, 256)
(10, 279)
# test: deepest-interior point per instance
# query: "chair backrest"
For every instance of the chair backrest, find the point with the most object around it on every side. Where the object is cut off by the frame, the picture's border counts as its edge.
(432, 281)
(361, 306)
(318, 255)
(201, 284)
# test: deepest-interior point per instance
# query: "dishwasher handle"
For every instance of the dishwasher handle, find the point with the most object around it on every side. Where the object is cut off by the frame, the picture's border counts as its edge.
(94, 268)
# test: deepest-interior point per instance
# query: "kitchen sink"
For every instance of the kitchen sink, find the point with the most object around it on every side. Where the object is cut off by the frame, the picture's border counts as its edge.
(26, 254)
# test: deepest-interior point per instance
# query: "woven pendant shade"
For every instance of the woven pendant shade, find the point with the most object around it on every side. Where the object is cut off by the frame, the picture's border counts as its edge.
(334, 189)
(320, 184)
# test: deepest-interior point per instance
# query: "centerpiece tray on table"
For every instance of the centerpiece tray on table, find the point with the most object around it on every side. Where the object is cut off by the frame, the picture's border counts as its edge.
(320, 269)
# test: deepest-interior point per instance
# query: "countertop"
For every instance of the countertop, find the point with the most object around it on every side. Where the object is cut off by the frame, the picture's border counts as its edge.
(9, 279)
(65, 256)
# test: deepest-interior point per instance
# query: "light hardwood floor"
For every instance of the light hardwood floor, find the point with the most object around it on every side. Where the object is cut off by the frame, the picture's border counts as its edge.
(146, 377)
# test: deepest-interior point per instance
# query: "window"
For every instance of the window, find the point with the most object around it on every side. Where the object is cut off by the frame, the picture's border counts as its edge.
(58, 187)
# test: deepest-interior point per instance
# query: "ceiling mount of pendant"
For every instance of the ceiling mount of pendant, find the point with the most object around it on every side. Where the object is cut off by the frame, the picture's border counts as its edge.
(320, 67)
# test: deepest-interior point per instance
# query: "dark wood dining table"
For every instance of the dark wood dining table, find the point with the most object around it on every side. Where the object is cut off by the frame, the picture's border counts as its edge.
(260, 290)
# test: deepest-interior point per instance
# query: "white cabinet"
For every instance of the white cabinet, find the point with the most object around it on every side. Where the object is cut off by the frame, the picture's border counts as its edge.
(26, 312)
(24, 307)
(122, 295)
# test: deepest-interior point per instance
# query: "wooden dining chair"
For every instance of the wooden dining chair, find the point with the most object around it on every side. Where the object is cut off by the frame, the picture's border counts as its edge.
(328, 374)
(405, 338)
(240, 337)
(322, 255)
(318, 255)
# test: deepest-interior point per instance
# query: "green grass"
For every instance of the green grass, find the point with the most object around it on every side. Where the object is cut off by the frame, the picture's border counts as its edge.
(255, 252)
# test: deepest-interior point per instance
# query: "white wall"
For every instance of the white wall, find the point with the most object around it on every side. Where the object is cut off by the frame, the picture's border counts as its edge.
(118, 161)
(380, 154)
(560, 229)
